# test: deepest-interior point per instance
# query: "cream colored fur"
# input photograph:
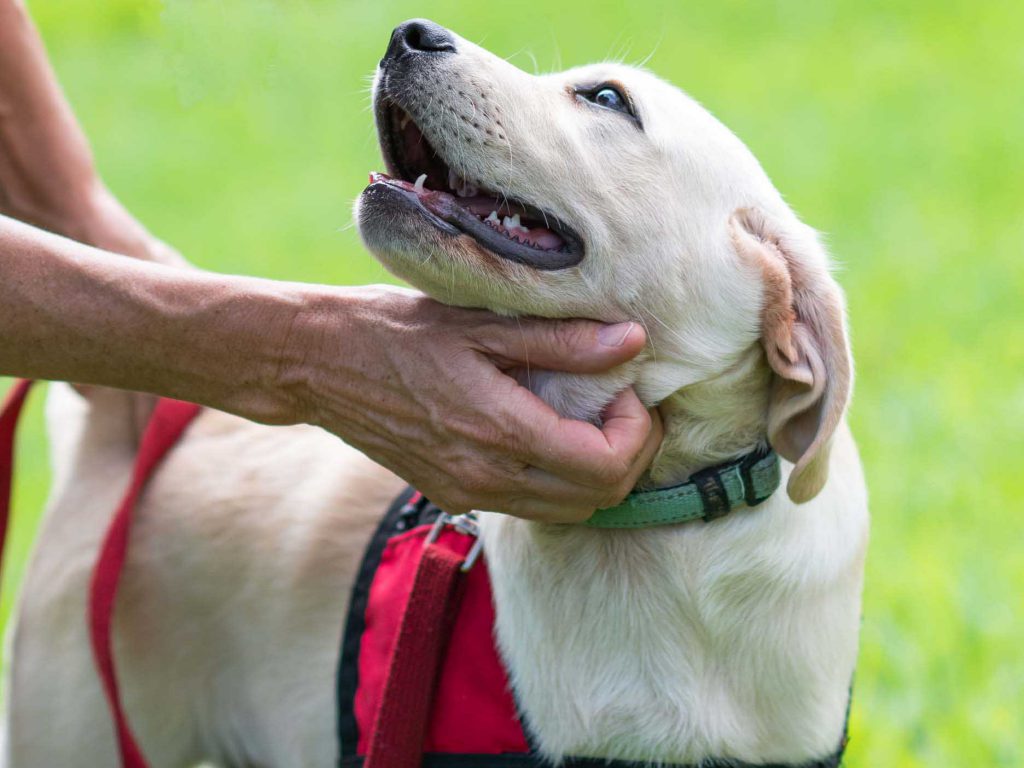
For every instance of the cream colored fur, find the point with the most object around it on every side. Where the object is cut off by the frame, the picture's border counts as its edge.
(735, 638)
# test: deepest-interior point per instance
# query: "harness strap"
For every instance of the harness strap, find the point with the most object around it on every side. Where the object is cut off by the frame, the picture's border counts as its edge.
(400, 726)
(169, 420)
(9, 413)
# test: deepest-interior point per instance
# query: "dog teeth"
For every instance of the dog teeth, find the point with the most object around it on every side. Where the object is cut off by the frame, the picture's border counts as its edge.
(493, 218)
(512, 222)
(420, 181)
(461, 186)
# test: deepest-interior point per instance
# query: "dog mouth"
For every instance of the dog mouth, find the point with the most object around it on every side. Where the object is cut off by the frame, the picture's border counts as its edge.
(510, 229)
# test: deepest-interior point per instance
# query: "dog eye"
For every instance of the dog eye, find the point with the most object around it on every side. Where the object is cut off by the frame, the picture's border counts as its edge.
(609, 97)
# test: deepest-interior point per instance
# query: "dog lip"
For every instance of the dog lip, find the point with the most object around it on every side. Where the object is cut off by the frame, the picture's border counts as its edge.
(405, 192)
(446, 214)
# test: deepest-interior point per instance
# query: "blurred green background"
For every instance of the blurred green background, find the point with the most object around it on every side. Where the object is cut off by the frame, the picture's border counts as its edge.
(239, 131)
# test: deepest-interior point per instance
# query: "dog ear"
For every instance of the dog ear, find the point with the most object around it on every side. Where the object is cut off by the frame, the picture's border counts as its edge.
(805, 341)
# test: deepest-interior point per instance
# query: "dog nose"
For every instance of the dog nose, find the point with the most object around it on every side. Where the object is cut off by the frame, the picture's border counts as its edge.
(419, 36)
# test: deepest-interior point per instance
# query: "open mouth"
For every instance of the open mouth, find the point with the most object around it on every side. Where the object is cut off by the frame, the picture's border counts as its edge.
(511, 229)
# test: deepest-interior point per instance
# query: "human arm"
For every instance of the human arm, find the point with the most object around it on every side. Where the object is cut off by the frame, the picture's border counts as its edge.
(416, 385)
(47, 174)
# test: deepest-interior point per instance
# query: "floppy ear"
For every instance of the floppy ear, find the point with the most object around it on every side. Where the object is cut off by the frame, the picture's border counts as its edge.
(804, 338)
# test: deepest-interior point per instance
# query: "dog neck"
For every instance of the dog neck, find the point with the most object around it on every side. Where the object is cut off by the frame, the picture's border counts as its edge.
(707, 422)
(713, 421)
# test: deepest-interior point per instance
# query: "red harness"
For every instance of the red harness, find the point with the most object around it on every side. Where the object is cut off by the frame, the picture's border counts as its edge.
(420, 680)
(419, 670)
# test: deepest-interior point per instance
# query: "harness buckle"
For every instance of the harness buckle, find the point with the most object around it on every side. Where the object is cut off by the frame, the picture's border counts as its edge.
(468, 525)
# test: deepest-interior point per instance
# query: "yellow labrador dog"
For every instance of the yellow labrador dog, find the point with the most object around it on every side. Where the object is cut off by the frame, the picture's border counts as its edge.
(600, 192)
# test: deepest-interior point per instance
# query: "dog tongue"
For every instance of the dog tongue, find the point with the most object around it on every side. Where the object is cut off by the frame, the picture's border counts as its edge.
(481, 205)
(543, 238)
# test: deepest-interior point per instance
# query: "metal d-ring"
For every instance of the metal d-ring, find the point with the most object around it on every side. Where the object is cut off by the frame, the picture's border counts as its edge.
(468, 525)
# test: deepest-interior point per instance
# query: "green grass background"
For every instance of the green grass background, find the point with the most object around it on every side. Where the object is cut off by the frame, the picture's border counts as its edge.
(239, 131)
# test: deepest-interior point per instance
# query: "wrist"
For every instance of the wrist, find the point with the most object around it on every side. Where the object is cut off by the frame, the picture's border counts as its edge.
(313, 341)
(334, 350)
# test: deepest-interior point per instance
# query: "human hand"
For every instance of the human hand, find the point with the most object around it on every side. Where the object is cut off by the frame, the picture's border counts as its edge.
(424, 389)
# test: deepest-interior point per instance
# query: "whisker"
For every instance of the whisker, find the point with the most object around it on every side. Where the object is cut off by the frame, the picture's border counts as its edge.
(558, 50)
(664, 325)
(451, 282)
(513, 55)
(511, 167)
(650, 339)
(649, 56)
(533, 58)
(618, 44)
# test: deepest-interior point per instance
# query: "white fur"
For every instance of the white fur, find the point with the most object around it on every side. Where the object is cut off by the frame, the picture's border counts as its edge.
(731, 639)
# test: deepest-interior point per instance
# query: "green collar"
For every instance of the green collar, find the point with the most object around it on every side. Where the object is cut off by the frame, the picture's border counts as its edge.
(707, 495)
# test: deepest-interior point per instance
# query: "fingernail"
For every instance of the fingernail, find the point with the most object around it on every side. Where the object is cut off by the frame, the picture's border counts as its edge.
(614, 335)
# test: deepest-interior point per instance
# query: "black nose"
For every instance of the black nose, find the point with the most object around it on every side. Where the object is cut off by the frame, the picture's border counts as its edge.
(419, 36)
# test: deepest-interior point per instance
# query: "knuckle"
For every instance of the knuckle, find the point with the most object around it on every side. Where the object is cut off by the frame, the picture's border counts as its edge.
(567, 335)
(497, 434)
(611, 497)
(577, 514)
(491, 334)
(619, 471)
(646, 422)
(615, 484)
(623, 489)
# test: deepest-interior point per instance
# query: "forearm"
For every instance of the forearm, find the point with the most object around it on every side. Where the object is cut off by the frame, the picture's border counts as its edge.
(69, 312)
(46, 171)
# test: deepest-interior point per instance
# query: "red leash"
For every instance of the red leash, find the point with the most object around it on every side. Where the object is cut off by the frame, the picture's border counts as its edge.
(168, 422)
(400, 726)
(9, 413)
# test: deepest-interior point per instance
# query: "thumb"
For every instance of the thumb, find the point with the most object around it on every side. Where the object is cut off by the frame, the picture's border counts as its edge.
(573, 346)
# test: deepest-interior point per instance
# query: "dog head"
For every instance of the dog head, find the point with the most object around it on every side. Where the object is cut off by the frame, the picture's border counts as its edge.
(604, 192)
